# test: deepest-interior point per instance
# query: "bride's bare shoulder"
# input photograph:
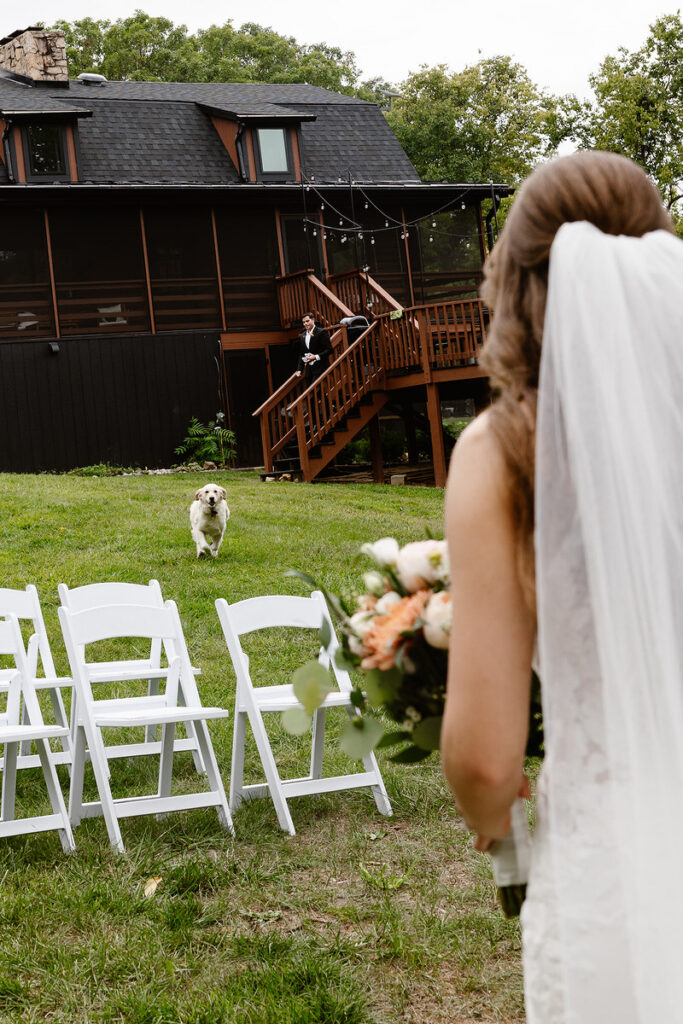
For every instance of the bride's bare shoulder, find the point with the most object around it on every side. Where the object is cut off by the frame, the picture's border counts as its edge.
(477, 478)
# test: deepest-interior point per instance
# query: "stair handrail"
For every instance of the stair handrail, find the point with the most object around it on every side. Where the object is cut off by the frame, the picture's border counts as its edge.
(329, 398)
(274, 412)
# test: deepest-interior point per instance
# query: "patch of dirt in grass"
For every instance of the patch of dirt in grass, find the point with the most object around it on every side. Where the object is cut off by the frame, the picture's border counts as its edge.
(449, 997)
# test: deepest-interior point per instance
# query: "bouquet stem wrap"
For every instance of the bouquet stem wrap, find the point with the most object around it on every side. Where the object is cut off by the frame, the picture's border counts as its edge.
(511, 861)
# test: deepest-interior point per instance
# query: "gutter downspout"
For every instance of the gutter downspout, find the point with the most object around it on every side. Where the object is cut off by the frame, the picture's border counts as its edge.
(240, 152)
(8, 153)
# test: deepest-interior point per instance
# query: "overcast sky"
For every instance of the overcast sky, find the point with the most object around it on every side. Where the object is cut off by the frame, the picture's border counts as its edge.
(558, 44)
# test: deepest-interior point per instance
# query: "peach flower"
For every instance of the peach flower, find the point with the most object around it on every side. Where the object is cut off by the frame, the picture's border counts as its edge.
(384, 635)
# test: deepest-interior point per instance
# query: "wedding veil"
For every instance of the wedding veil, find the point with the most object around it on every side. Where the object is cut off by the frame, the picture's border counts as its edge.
(609, 567)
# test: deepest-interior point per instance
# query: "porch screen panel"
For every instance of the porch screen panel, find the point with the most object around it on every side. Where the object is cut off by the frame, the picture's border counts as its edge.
(446, 256)
(247, 244)
(182, 268)
(387, 256)
(25, 297)
(99, 269)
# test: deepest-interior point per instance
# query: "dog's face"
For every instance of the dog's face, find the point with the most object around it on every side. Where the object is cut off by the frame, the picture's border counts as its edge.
(211, 495)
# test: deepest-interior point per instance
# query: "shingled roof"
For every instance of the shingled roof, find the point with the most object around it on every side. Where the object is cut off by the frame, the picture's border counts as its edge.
(161, 132)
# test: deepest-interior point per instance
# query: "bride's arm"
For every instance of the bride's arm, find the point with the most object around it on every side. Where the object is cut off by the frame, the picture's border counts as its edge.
(492, 637)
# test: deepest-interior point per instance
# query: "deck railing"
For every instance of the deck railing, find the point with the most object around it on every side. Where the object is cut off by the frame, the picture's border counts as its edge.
(102, 306)
(362, 293)
(422, 340)
(303, 292)
(183, 303)
(25, 310)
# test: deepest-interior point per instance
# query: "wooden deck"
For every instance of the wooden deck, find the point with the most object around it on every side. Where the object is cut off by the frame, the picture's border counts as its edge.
(402, 348)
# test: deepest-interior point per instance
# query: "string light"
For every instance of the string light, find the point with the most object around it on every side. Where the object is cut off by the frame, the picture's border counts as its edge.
(431, 238)
(372, 239)
(462, 205)
(322, 206)
(343, 238)
(341, 223)
(360, 234)
(433, 223)
(314, 232)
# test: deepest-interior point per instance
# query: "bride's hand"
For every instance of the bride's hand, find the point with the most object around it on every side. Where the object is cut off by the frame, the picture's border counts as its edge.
(484, 843)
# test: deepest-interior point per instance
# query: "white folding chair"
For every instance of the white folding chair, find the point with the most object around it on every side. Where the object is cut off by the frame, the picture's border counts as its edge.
(102, 595)
(84, 628)
(252, 702)
(14, 732)
(25, 604)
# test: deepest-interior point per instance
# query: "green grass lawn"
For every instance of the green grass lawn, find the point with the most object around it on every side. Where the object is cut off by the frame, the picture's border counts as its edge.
(358, 919)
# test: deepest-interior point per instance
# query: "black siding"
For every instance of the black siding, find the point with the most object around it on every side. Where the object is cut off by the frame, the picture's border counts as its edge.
(123, 400)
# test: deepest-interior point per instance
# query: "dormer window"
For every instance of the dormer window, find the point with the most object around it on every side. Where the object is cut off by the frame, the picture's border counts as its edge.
(45, 152)
(273, 154)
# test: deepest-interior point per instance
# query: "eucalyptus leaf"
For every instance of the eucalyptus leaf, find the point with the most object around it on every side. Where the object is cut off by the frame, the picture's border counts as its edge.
(295, 721)
(342, 660)
(325, 633)
(411, 755)
(312, 683)
(390, 739)
(380, 686)
(360, 736)
(427, 733)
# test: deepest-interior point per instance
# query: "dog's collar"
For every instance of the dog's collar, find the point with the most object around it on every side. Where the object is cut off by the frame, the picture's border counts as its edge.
(214, 513)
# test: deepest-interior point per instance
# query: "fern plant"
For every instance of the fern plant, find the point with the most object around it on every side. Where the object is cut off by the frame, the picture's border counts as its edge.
(208, 442)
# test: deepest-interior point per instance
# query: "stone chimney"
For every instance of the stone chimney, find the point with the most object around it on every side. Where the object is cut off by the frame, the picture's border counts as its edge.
(35, 53)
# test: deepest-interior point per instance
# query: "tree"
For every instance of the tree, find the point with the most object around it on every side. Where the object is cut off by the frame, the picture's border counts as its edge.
(638, 109)
(488, 120)
(146, 48)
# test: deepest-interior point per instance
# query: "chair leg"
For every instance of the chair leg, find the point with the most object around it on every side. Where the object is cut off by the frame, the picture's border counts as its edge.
(237, 768)
(61, 719)
(152, 691)
(213, 775)
(77, 770)
(25, 747)
(9, 781)
(272, 775)
(56, 796)
(378, 790)
(166, 761)
(98, 760)
(318, 743)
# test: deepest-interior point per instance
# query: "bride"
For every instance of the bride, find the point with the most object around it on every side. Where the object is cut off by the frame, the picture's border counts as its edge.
(564, 514)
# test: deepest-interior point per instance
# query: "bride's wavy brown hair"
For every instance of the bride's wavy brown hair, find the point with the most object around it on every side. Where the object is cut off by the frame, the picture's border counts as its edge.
(616, 196)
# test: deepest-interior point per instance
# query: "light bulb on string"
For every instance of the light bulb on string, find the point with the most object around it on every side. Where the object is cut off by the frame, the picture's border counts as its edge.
(341, 223)
(431, 238)
(343, 238)
(366, 206)
(386, 223)
(372, 239)
(402, 236)
(324, 234)
(322, 206)
(360, 234)
(462, 205)
(314, 232)
(433, 223)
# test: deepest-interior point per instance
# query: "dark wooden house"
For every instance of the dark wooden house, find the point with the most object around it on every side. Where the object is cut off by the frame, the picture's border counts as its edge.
(159, 243)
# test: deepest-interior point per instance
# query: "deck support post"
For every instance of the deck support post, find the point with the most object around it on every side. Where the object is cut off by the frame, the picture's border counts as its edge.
(376, 450)
(436, 432)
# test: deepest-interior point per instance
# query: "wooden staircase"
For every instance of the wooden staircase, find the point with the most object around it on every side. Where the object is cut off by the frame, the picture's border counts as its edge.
(400, 349)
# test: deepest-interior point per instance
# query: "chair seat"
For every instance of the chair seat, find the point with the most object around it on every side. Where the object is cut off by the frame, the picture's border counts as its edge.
(19, 733)
(279, 698)
(155, 716)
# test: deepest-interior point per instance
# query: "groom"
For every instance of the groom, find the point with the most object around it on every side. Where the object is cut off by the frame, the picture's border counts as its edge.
(315, 350)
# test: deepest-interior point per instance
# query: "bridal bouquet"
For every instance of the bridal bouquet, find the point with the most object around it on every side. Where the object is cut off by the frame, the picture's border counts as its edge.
(396, 633)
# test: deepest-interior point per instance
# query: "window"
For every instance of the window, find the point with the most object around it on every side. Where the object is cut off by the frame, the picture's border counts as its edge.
(273, 152)
(45, 151)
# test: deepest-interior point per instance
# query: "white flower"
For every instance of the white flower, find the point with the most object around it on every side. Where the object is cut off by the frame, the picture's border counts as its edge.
(437, 620)
(421, 564)
(357, 646)
(386, 603)
(360, 623)
(384, 551)
(374, 583)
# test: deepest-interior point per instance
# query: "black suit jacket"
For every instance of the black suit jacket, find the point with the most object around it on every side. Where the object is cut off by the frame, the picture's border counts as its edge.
(320, 346)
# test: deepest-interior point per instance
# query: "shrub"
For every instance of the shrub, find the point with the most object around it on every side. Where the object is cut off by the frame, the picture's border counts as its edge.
(208, 442)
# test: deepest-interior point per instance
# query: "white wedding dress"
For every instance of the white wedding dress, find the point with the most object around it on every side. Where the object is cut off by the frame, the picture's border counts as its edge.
(603, 920)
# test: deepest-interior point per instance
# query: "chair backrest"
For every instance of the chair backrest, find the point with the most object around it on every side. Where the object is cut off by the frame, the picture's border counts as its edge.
(99, 595)
(12, 645)
(102, 595)
(280, 610)
(127, 621)
(25, 604)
